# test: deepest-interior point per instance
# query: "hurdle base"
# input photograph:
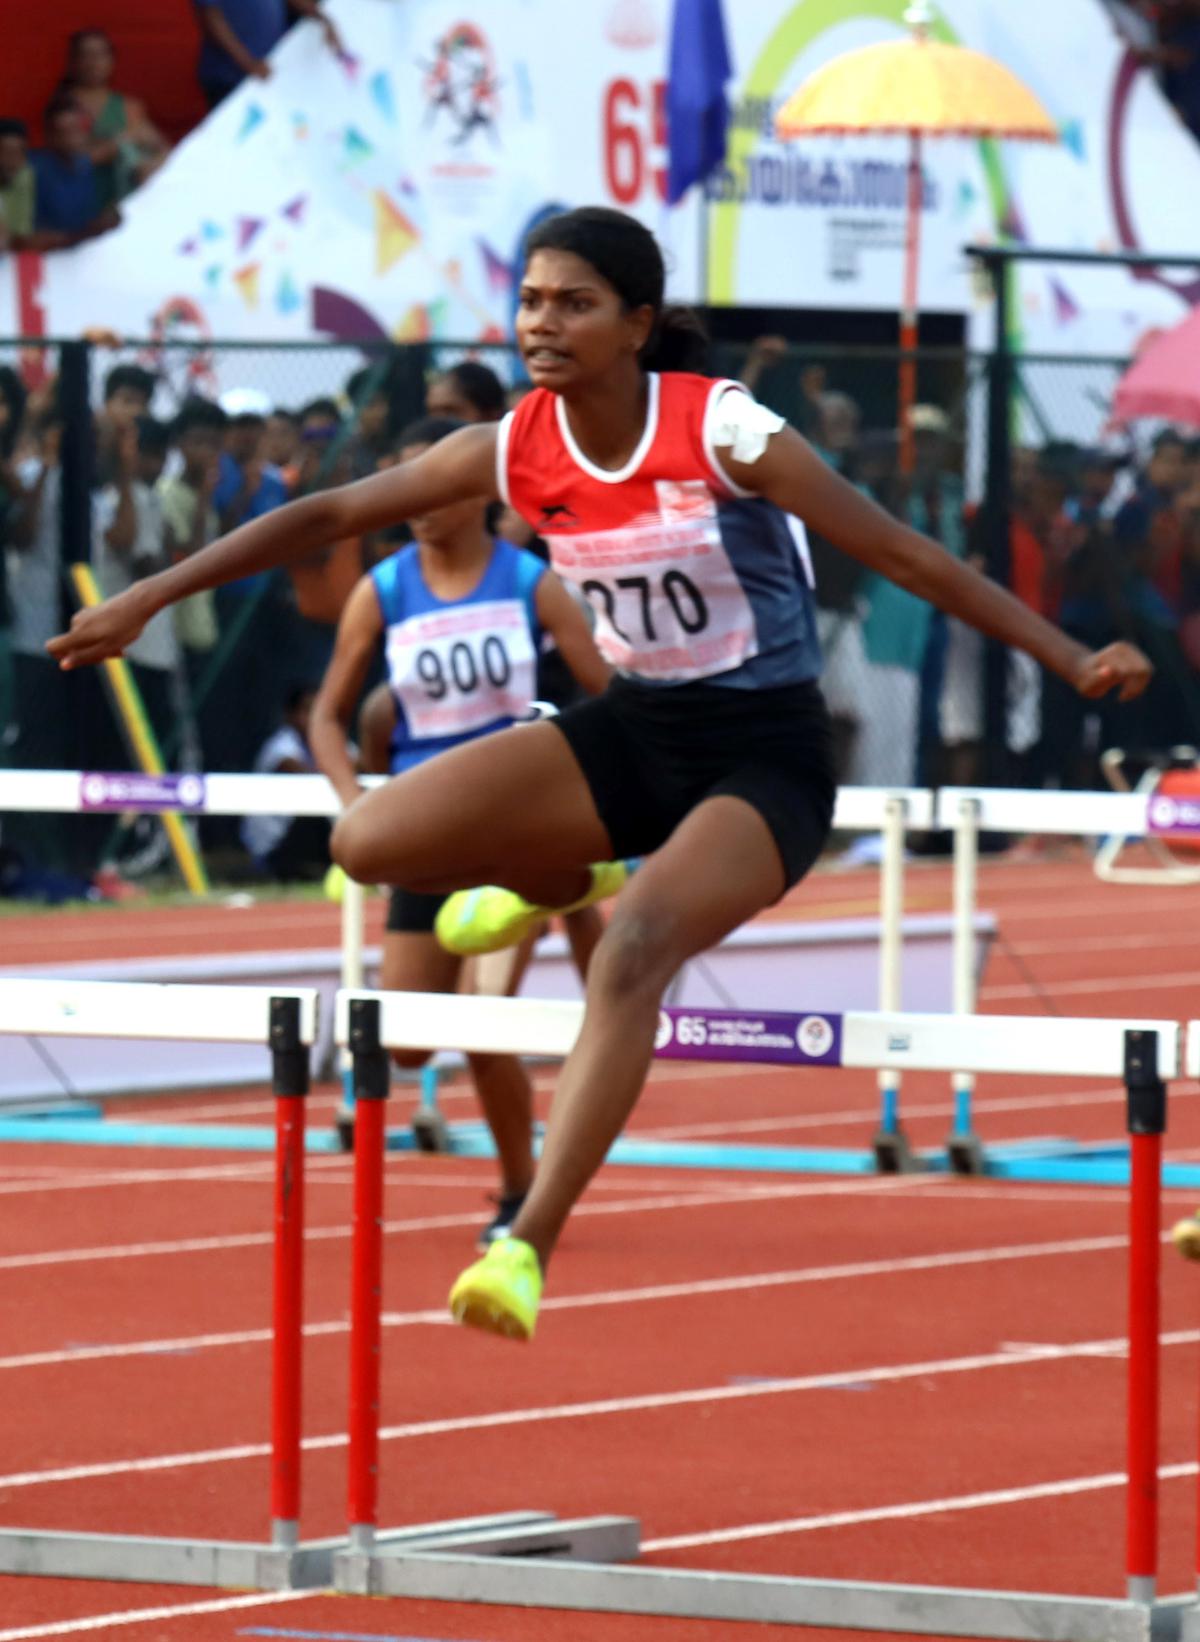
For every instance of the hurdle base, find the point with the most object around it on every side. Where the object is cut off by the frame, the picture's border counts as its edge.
(530, 1582)
(430, 1131)
(1189, 1629)
(517, 1537)
(894, 1155)
(966, 1155)
(219, 1564)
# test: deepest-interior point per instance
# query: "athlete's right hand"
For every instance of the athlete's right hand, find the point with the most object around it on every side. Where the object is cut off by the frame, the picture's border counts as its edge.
(1121, 667)
(103, 631)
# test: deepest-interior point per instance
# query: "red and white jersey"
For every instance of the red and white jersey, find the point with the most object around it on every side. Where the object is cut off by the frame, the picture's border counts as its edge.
(690, 577)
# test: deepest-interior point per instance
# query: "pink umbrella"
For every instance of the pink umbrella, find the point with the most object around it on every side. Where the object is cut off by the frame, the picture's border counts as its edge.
(1164, 379)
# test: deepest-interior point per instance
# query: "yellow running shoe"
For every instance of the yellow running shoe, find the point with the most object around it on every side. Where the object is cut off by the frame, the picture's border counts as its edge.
(1185, 1234)
(488, 919)
(500, 1293)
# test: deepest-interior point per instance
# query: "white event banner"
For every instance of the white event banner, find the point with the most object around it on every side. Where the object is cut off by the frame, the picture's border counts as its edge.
(386, 193)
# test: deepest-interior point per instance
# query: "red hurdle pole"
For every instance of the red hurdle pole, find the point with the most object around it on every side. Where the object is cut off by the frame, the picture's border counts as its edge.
(1146, 1103)
(290, 1083)
(370, 1064)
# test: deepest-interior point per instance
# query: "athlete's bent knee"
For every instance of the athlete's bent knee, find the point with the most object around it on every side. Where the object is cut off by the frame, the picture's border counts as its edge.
(364, 855)
(350, 846)
(638, 952)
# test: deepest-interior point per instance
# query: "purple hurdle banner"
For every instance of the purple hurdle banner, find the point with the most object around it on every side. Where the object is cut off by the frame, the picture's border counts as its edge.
(773, 1036)
(133, 790)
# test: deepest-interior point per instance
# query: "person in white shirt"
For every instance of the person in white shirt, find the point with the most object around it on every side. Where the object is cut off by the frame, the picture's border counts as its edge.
(128, 542)
(39, 735)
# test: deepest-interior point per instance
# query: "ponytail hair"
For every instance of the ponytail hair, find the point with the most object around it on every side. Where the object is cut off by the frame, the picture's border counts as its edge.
(626, 255)
(678, 341)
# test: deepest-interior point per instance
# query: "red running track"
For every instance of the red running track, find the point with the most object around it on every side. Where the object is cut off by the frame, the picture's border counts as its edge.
(916, 1380)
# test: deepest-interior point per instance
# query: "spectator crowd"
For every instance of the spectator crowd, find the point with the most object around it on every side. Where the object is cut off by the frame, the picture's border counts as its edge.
(99, 143)
(1103, 540)
(220, 674)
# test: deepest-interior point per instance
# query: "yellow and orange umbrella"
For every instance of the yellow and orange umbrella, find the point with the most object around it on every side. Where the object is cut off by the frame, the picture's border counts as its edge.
(920, 88)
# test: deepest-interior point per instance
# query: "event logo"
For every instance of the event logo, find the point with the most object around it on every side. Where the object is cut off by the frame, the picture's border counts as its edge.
(1173, 816)
(814, 1036)
(125, 790)
(461, 89)
(180, 353)
(666, 1030)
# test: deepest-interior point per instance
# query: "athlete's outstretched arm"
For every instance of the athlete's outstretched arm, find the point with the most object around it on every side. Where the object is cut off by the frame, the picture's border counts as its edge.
(791, 474)
(359, 628)
(462, 466)
(567, 625)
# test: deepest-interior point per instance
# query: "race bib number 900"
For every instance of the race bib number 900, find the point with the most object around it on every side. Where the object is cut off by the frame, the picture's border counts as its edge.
(458, 669)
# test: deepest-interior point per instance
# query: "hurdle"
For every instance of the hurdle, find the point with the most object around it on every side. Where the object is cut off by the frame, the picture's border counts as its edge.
(1144, 1054)
(285, 1024)
(966, 811)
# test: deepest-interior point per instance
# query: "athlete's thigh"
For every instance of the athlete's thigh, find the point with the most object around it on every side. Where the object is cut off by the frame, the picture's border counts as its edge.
(718, 868)
(515, 800)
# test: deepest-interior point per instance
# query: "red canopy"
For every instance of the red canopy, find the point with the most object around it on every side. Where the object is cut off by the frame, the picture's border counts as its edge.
(1164, 379)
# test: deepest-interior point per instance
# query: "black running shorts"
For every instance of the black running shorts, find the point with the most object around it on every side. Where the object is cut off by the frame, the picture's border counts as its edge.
(651, 754)
(411, 913)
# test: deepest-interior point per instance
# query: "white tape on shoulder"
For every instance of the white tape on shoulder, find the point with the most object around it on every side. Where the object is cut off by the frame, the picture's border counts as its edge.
(743, 426)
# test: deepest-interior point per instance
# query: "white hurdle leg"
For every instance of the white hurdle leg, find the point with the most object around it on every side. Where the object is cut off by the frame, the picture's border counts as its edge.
(966, 1153)
(893, 1155)
(354, 919)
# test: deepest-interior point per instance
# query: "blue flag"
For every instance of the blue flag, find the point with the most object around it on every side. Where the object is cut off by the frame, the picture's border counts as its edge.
(697, 113)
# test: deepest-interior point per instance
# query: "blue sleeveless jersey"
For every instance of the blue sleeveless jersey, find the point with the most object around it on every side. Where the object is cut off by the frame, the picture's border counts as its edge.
(461, 669)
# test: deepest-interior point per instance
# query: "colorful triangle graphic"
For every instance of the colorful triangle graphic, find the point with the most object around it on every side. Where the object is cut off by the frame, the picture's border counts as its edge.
(251, 120)
(395, 235)
(380, 87)
(413, 325)
(287, 297)
(246, 280)
(357, 146)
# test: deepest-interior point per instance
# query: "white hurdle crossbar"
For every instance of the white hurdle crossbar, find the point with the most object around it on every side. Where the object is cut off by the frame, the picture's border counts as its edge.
(147, 1009)
(1143, 1054)
(1043, 1045)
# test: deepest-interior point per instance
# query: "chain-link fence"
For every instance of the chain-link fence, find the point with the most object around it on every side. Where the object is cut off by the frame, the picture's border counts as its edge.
(84, 425)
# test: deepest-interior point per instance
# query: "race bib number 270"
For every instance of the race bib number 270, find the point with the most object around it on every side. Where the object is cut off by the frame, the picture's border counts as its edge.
(667, 601)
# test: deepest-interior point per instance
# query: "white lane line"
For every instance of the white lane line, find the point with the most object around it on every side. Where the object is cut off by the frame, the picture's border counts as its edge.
(69, 1182)
(890, 1373)
(743, 1284)
(913, 1508)
(144, 1616)
(909, 1109)
(403, 1169)
(442, 1222)
(1102, 983)
(319, 1171)
(1184, 940)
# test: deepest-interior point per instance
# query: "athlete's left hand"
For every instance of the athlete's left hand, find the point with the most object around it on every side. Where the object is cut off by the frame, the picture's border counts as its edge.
(1120, 667)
